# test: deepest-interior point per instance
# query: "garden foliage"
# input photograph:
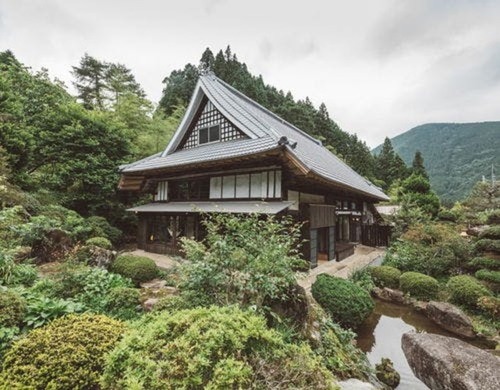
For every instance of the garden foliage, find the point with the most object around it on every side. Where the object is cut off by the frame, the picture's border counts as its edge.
(385, 276)
(68, 353)
(347, 303)
(466, 290)
(138, 269)
(211, 348)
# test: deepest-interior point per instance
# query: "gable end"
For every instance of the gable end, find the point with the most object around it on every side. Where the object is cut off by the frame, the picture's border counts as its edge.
(207, 115)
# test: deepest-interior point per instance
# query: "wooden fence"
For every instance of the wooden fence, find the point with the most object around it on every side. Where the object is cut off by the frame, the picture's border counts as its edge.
(375, 235)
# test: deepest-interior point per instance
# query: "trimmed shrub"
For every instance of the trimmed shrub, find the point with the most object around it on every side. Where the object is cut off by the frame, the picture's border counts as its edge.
(493, 218)
(12, 309)
(492, 232)
(490, 306)
(101, 242)
(69, 353)
(447, 215)
(488, 276)
(122, 302)
(211, 348)
(483, 263)
(139, 269)
(418, 285)
(346, 302)
(385, 276)
(487, 245)
(466, 290)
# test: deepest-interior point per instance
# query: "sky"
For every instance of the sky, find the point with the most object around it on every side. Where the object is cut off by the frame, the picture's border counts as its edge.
(380, 66)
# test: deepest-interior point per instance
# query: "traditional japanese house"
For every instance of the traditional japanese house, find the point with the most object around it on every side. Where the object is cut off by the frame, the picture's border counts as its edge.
(231, 155)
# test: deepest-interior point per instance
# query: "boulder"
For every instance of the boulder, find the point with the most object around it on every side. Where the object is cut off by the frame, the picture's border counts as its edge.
(451, 318)
(98, 257)
(150, 303)
(389, 295)
(446, 363)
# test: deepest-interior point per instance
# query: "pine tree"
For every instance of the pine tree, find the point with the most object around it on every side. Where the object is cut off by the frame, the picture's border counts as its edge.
(91, 82)
(206, 61)
(417, 165)
(119, 81)
(389, 165)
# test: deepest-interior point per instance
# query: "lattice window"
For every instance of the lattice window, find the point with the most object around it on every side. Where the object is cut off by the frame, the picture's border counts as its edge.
(210, 116)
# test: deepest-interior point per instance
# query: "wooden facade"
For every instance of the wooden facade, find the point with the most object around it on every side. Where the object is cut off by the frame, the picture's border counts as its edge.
(263, 167)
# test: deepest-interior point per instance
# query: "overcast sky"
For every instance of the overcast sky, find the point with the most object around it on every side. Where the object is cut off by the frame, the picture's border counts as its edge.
(380, 66)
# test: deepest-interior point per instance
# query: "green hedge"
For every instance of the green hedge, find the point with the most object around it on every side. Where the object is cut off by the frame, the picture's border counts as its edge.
(492, 232)
(418, 285)
(101, 242)
(483, 263)
(69, 353)
(466, 290)
(489, 276)
(346, 302)
(489, 245)
(385, 276)
(12, 309)
(139, 269)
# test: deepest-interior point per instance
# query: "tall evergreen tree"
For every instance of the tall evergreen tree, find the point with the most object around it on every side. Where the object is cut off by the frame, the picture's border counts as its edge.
(417, 165)
(119, 81)
(389, 166)
(207, 60)
(91, 82)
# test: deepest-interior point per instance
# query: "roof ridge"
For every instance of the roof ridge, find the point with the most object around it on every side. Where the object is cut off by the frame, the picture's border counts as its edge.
(261, 107)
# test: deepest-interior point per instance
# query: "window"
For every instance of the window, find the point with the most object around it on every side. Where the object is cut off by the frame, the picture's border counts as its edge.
(161, 191)
(189, 189)
(261, 185)
(209, 134)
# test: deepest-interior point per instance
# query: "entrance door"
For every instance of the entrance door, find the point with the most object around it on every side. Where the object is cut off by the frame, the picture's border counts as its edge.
(323, 244)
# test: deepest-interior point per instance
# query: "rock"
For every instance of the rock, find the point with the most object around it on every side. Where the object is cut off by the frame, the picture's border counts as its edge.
(150, 303)
(450, 318)
(355, 384)
(297, 306)
(446, 363)
(389, 295)
(96, 256)
(155, 284)
(387, 374)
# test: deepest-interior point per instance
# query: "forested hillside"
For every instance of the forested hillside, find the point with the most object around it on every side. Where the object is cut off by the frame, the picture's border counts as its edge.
(456, 155)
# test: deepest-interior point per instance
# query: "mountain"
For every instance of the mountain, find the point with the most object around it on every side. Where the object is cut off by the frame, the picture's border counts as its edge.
(456, 155)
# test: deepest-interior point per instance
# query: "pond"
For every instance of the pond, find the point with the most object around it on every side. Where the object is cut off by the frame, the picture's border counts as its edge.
(380, 336)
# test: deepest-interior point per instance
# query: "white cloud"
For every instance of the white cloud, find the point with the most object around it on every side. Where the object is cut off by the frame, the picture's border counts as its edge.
(380, 67)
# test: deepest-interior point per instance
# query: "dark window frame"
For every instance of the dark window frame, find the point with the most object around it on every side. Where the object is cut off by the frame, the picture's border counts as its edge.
(209, 138)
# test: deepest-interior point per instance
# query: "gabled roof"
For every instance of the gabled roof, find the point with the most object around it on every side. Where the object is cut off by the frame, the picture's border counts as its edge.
(264, 129)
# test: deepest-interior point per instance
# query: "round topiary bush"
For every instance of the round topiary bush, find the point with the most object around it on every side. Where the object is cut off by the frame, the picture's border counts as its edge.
(66, 354)
(211, 348)
(139, 269)
(418, 285)
(466, 290)
(346, 302)
(385, 276)
(101, 242)
(12, 309)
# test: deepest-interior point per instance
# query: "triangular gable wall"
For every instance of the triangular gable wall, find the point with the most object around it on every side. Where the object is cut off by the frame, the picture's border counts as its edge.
(208, 115)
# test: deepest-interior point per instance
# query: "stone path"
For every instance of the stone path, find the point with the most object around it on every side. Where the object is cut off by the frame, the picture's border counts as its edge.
(162, 261)
(363, 255)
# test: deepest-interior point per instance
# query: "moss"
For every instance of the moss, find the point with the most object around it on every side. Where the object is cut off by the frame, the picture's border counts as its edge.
(101, 242)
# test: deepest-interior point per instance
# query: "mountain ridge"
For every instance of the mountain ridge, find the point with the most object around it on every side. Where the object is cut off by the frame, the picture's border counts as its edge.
(456, 155)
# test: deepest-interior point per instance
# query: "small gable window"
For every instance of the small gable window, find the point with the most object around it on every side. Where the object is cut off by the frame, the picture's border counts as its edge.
(209, 134)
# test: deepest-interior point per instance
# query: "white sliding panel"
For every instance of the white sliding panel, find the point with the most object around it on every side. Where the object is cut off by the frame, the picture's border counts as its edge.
(256, 185)
(277, 185)
(243, 186)
(161, 191)
(215, 187)
(228, 187)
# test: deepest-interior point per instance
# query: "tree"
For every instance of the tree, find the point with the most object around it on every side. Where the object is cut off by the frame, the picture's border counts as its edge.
(417, 165)
(120, 81)
(207, 60)
(484, 196)
(416, 191)
(389, 165)
(91, 82)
